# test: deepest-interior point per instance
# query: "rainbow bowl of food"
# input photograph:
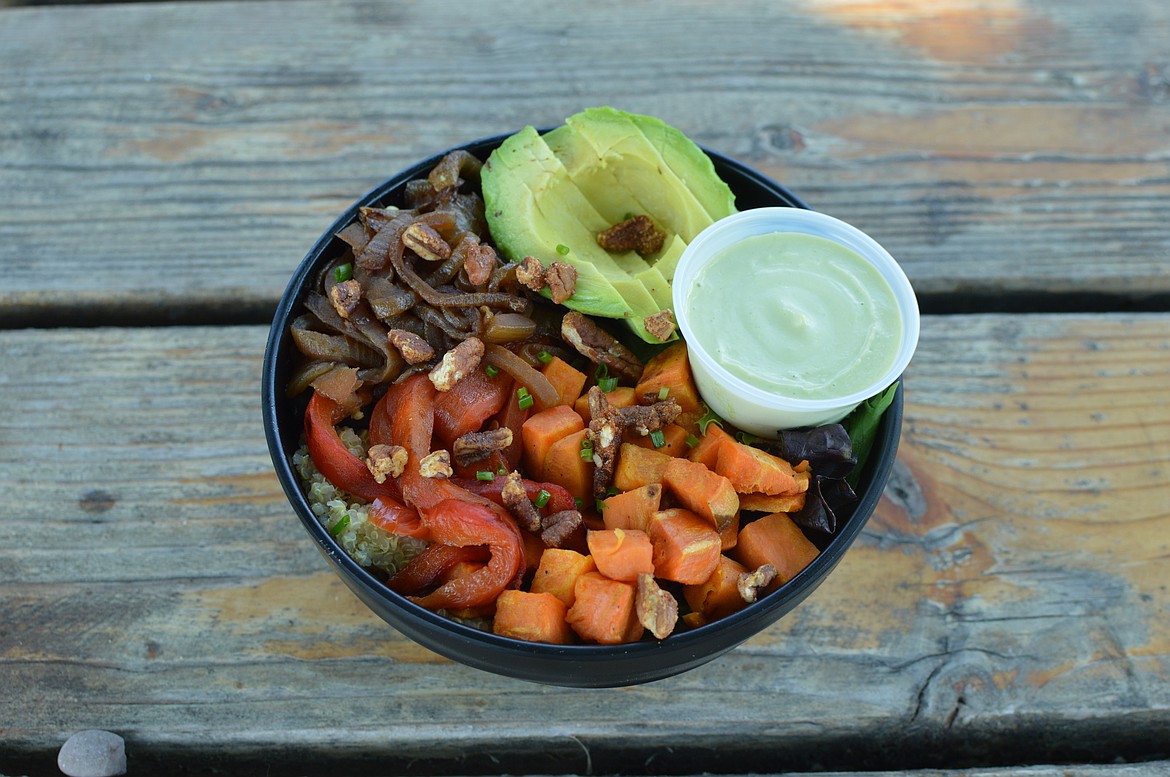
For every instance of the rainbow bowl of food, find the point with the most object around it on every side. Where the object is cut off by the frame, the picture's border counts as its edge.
(479, 403)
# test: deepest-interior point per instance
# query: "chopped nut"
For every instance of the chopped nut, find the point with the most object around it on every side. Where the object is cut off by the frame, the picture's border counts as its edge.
(530, 273)
(519, 505)
(414, 349)
(661, 324)
(345, 297)
(477, 446)
(479, 263)
(657, 610)
(636, 233)
(436, 465)
(751, 583)
(427, 243)
(605, 435)
(457, 363)
(644, 419)
(562, 281)
(559, 527)
(600, 346)
(385, 461)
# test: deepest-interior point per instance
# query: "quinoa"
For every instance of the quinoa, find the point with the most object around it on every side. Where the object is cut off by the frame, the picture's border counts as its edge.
(347, 518)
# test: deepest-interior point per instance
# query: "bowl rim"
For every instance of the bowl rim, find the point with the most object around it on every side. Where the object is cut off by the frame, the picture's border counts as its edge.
(736, 628)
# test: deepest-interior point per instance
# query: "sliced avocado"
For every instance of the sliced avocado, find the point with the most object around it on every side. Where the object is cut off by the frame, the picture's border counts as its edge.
(668, 257)
(658, 162)
(549, 198)
(510, 176)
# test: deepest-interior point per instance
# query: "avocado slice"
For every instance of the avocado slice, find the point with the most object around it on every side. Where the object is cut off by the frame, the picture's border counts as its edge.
(560, 190)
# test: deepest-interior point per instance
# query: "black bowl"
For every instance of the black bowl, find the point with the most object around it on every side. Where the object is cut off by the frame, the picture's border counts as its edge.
(588, 666)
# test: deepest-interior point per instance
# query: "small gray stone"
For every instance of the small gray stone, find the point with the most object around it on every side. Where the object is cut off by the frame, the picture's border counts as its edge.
(93, 753)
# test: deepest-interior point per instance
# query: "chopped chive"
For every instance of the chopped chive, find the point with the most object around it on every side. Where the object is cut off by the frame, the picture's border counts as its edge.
(544, 357)
(491, 370)
(562, 249)
(663, 393)
(485, 474)
(745, 438)
(342, 272)
(607, 384)
(501, 471)
(602, 372)
(522, 391)
(586, 453)
(599, 505)
(542, 498)
(579, 503)
(611, 491)
(658, 438)
(524, 399)
(339, 527)
(707, 419)
(692, 441)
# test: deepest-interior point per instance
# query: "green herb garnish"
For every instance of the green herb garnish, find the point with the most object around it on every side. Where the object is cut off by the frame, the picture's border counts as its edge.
(342, 272)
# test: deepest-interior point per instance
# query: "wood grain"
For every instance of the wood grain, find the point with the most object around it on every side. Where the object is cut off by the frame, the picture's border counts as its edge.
(163, 162)
(1006, 604)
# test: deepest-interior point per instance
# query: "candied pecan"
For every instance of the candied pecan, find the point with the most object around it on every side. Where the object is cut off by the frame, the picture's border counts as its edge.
(657, 610)
(457, 363)
(562, 281)
(530, 273)
(557, 528)
(477, 446)
(385, 461)
(751, 583)
(636, 233)
(519, 505)
(426, 242)
(644, 419)
(414, 349)
(661, 324)
(600, 346)
(605, 435)
(345, 297)
(436, 465)
(479, 263)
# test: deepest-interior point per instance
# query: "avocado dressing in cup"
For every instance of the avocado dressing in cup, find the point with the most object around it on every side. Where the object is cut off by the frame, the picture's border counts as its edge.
(791, 318)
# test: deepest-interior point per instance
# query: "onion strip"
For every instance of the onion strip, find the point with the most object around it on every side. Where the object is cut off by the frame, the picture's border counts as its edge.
(540, 387)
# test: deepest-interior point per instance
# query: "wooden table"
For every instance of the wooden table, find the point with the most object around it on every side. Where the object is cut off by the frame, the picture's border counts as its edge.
(164, 167)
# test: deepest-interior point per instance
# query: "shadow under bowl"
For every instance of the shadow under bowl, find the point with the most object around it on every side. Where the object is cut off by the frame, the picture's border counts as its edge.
(585, 666)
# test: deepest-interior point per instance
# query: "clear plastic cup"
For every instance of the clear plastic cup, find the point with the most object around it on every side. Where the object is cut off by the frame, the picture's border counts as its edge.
(753, 409)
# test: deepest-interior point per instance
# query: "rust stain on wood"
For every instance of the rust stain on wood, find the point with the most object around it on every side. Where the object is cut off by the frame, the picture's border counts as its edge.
(988, 131)
(312, 618)
(972, 31)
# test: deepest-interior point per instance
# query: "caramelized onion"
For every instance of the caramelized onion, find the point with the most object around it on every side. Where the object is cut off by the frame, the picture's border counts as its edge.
(525, 374)
(508, 328)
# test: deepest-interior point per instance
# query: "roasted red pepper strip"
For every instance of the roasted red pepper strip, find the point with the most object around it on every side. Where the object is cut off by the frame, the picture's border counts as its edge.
(468, 404)
(333, 459)
(431, 565)
(450, 515)
(559, 497)
(460, 523)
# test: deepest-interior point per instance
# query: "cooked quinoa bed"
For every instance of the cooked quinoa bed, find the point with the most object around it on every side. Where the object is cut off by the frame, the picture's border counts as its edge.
(348, 520)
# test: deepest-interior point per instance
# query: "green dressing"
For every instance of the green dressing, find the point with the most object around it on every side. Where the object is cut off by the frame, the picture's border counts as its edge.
(796, 315)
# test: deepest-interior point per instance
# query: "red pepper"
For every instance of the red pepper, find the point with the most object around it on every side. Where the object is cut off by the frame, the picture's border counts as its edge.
(431, 565)
(333, 459)
(449, 514)
(468, 404)
(460, 523)
(559, 497)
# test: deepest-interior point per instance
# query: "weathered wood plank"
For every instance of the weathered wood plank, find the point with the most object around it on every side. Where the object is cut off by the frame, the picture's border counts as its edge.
(993, 147)
(1006, 604)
